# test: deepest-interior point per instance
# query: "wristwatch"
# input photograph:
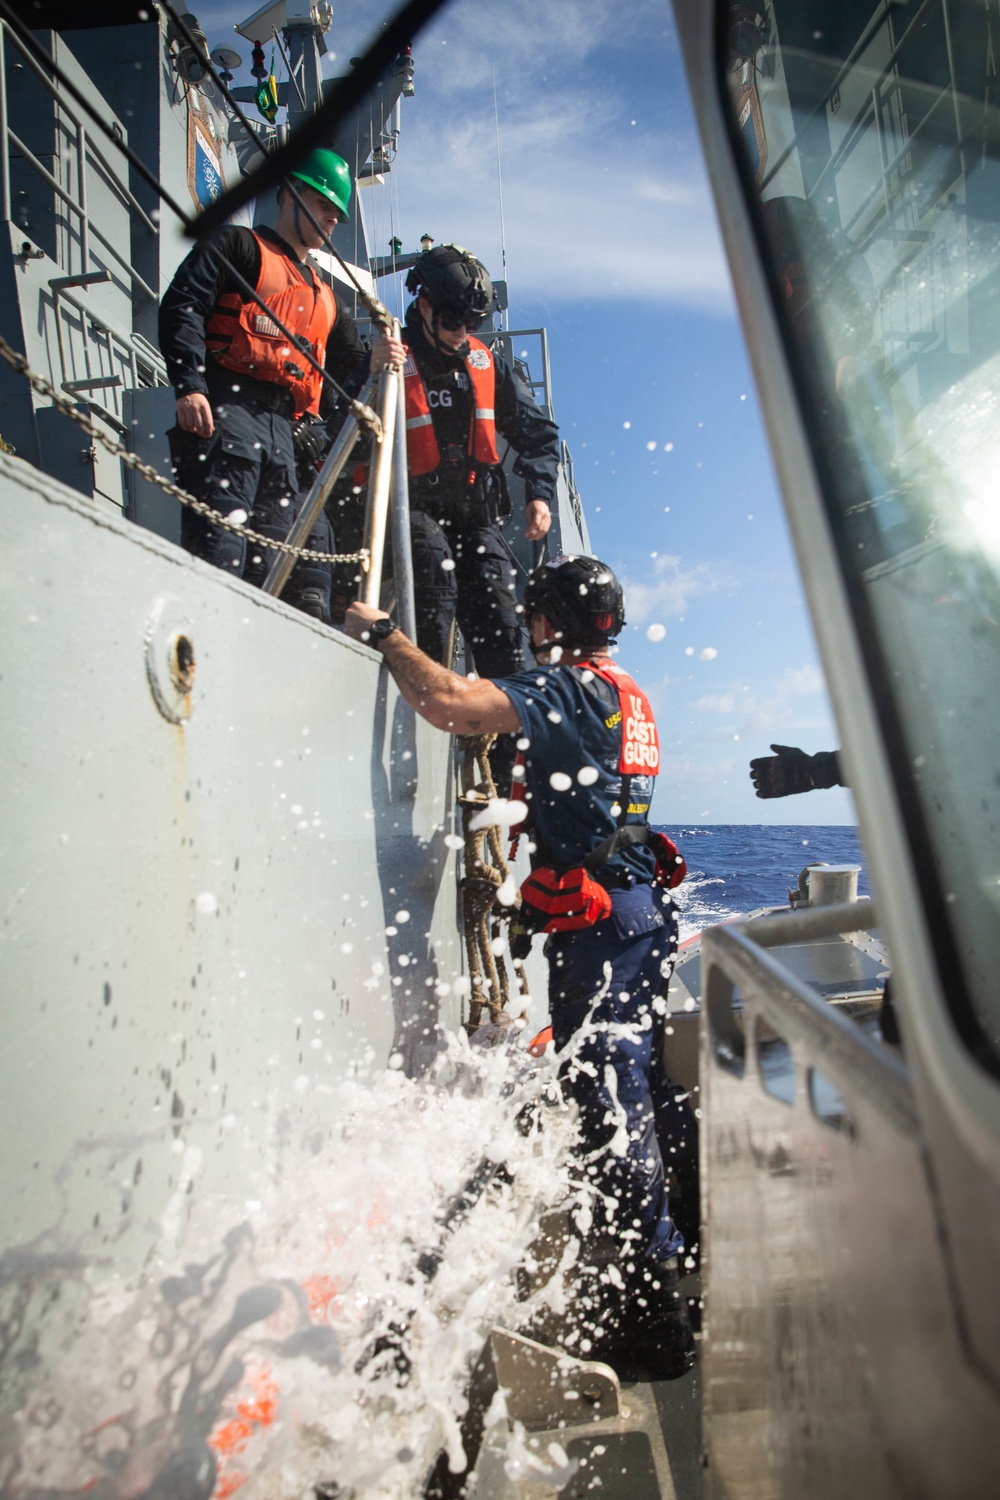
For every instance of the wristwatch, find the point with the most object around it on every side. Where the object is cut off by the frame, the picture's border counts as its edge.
(380, 630)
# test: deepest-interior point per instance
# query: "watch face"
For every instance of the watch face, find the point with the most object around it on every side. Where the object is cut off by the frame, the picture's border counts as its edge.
(379, 629)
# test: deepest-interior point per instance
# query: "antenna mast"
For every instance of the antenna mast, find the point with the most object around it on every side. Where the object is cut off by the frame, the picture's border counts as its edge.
(505, 315)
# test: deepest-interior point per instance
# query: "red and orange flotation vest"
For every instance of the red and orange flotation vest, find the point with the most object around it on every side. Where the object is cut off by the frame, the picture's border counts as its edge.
(242, 337)
(422, 451)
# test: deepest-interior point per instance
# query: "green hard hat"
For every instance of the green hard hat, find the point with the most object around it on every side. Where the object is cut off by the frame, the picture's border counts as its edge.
(328, 174)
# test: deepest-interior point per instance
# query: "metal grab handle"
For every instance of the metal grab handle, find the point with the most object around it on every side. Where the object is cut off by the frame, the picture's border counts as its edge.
(806, 926)
(379, 474)
(399, 522)
(734, 959)
(333, 465)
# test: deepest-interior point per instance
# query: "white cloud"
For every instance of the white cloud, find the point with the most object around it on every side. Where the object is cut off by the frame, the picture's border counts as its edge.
(774, 709)
(594, 205)
(671, 589)
(724, 703)
(685, 773)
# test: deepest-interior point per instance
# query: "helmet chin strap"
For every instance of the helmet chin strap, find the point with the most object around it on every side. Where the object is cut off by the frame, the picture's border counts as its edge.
(542, 647)
(297, 220)
(442, 348)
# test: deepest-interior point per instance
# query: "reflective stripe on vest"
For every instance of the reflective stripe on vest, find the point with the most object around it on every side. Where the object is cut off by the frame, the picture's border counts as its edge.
(422, 451)
(240, 336)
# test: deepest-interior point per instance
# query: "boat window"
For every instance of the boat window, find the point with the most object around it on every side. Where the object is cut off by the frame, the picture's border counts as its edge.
(869, 139)
(775, 1063)
(828, 1103)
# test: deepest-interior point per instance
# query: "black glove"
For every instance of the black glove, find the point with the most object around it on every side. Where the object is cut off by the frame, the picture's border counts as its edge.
(310, 440)
(790, 770)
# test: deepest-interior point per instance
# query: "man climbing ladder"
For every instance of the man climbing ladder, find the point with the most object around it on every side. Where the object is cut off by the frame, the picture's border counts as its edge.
(600, 885)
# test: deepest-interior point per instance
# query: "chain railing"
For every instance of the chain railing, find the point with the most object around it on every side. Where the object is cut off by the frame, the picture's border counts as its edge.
(152, 476)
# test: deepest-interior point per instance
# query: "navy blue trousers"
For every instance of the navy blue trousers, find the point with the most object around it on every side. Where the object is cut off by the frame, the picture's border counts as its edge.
(466, 571)
(248, 464)
(605, 988)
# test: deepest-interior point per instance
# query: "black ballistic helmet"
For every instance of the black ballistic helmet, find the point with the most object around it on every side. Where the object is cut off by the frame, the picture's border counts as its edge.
(582, 598)
(453, 281)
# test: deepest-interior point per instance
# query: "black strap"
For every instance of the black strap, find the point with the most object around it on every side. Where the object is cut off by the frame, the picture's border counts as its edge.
(624, 836)
(624, 799)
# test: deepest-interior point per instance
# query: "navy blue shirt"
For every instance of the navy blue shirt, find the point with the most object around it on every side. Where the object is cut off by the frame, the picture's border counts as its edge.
(569, 717)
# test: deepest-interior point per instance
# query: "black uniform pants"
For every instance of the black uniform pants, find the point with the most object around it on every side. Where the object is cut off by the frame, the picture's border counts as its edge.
(608, 1017)
(465, 572)
(248, 464)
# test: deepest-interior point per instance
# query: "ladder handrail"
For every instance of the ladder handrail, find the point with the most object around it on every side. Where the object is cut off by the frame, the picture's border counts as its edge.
(333, 465)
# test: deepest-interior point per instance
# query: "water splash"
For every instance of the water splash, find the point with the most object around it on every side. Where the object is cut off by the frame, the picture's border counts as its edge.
(325, 1334)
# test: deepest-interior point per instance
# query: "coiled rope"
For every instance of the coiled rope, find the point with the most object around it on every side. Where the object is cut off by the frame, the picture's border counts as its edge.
(486, 870)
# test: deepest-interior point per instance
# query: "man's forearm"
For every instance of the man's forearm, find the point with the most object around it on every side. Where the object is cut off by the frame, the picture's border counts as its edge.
(458, 705)
(425, 684)
(428, 687)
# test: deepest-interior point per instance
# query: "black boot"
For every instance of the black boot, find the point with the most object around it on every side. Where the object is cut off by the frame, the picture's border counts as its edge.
(662, 1345)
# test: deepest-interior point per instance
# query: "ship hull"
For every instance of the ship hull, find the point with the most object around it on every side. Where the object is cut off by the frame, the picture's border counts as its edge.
(220, 908)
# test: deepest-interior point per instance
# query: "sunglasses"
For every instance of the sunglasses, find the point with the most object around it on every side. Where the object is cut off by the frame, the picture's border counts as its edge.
(452, 322)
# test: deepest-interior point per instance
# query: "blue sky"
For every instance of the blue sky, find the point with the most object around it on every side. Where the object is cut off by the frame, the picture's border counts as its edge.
(612, 244)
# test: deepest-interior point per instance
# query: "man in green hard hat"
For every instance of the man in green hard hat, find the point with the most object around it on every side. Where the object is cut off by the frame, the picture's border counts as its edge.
(246, 400)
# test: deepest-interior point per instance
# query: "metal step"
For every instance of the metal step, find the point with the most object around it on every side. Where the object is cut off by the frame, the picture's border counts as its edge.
(542, 1425)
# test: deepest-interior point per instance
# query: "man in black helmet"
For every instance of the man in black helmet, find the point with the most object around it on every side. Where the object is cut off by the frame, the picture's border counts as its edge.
(463, 403)
(600, 887)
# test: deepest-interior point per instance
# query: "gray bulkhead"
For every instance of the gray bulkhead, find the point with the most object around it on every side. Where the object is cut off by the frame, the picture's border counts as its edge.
(222, 905)
(91, 249)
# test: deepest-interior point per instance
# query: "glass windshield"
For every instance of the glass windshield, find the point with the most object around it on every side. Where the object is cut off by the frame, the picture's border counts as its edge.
(870, 135)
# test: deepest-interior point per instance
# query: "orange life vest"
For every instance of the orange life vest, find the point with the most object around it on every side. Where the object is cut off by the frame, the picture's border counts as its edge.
(422, 451)
(640, 754)
(241, 336)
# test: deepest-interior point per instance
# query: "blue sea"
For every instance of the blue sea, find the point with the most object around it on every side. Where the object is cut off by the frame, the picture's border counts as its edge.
(733, 868)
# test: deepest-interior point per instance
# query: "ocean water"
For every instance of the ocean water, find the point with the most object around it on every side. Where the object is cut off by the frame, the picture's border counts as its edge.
(733, 868)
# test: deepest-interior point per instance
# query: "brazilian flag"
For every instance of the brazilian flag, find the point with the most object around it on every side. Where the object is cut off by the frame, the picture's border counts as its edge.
(266, 98)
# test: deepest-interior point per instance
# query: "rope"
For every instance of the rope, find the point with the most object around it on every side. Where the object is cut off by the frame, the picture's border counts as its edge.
(133, 461)
(486, 869)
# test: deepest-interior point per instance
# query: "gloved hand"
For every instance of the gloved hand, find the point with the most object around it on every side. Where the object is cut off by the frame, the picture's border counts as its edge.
(310, 440)
(790, 770)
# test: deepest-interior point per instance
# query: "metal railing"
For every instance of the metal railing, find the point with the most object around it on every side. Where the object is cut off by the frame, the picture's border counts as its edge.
(506, 340)
(739, 963)
(387, 511)
(62, 292)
